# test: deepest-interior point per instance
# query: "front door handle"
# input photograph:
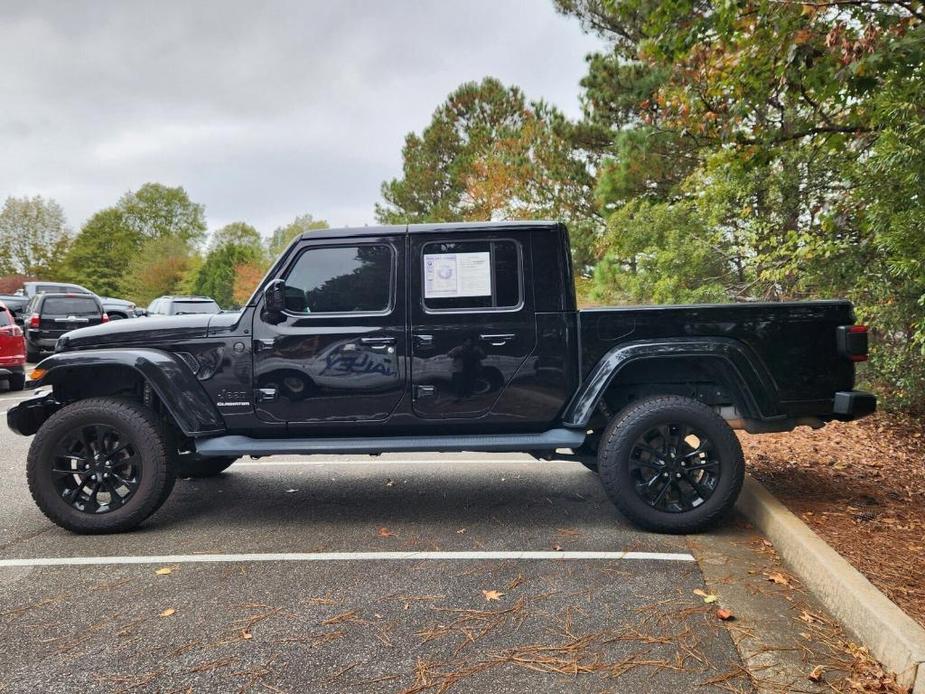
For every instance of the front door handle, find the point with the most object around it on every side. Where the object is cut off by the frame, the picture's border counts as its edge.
(377, 342)
(262, 345)
(425, 341)
(497, 339)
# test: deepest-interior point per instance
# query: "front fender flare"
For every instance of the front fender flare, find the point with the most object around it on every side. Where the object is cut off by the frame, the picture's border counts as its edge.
(756, 389)
(169, 377)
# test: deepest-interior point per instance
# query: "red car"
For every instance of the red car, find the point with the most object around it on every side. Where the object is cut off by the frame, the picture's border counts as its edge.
(12, 351)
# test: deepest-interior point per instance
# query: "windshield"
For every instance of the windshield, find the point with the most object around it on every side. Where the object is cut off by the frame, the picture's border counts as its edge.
(182, 307)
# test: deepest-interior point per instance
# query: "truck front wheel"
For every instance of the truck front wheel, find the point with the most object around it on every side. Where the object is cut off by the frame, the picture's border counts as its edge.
(100, 466)
(671, 464)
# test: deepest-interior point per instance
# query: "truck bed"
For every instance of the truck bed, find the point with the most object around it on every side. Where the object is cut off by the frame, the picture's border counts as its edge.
(794, 342)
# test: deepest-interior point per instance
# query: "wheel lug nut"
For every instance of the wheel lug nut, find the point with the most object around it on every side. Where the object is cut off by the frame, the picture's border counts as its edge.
(677, 474)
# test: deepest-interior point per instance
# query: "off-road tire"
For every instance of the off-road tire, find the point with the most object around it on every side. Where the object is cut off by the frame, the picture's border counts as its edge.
(142, 425)
(617, 445)
(192, 465)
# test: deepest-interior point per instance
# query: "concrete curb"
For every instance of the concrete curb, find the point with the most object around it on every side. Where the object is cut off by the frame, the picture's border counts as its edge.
(893, 637)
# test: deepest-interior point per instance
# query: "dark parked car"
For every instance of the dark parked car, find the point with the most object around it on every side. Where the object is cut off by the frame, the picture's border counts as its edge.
(12, 351)
(436, 337)
(49, 316)
(15, 303)
(115, 308)
(180, 305)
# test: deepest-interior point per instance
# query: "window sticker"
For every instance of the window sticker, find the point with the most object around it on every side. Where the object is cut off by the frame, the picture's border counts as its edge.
(449, 275)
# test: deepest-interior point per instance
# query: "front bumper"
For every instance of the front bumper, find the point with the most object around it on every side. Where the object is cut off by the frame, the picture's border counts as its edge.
(853, 404)
(26, 418)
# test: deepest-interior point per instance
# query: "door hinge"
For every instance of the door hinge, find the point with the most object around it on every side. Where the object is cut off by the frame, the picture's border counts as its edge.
(424, 392)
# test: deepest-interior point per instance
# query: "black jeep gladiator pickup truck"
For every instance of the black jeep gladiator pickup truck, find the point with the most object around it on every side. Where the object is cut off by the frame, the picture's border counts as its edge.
(435, 337)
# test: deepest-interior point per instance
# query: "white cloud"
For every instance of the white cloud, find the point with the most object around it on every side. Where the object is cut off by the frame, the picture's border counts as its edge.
(261, 110)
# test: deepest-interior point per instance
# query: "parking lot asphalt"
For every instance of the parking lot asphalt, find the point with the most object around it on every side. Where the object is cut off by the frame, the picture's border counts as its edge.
(359, 620)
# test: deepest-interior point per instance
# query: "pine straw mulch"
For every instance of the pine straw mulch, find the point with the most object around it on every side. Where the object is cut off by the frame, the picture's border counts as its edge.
(861, 486)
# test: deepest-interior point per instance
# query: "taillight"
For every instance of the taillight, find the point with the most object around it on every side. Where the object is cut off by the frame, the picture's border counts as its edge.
(852, 342)
(34, 321)
(11, 330)
(17, 331)
(105, 318)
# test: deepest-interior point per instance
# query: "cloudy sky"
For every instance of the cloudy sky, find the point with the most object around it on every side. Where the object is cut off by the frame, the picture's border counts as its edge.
(261, 110)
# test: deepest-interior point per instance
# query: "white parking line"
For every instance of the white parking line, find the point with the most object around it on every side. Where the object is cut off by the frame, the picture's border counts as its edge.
(337, 556)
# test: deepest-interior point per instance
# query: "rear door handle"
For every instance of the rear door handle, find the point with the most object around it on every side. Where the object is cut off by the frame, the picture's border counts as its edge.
(424, 341)
(377, 342)
(497, 339)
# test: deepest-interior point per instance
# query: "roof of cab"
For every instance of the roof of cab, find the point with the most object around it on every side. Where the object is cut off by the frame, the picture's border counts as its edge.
(434, 227)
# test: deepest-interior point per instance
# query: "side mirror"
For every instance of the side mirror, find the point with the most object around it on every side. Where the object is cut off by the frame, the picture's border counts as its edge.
(274, 296)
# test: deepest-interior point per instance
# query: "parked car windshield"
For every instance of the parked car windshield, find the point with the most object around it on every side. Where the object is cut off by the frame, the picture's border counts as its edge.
(181, 307)
(68, 306)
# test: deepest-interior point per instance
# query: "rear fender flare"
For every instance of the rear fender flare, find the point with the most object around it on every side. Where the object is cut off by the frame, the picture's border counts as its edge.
(169, 377)
(755, 389)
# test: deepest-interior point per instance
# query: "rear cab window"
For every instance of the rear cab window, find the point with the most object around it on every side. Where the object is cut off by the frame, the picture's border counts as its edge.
(58, 288)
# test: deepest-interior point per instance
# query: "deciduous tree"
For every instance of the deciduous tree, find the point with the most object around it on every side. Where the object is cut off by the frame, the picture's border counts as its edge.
(102, 252)
(156, 210)
(282, 236)
(33, 237)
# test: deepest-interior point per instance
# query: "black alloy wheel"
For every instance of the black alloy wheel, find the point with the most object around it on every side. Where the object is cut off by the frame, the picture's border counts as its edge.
(674, 467)
(97, 468)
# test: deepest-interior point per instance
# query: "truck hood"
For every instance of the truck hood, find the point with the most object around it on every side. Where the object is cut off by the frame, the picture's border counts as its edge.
(146, 331)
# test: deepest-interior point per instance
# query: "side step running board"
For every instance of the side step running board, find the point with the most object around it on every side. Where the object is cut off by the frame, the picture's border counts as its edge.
(245, 445)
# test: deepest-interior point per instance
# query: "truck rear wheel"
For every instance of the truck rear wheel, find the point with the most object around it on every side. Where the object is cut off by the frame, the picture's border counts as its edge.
(100, 466)
(671, 464)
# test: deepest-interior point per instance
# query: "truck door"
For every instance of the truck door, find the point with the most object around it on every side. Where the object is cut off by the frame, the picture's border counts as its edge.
(472, 319)
(338, 351)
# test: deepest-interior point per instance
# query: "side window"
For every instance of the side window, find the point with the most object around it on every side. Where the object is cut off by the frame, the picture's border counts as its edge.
(154, 307)
(341, 279)
(465, 275)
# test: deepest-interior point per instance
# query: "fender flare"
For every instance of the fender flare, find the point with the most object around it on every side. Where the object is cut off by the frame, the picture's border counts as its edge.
(756, 390)
(167, 374)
